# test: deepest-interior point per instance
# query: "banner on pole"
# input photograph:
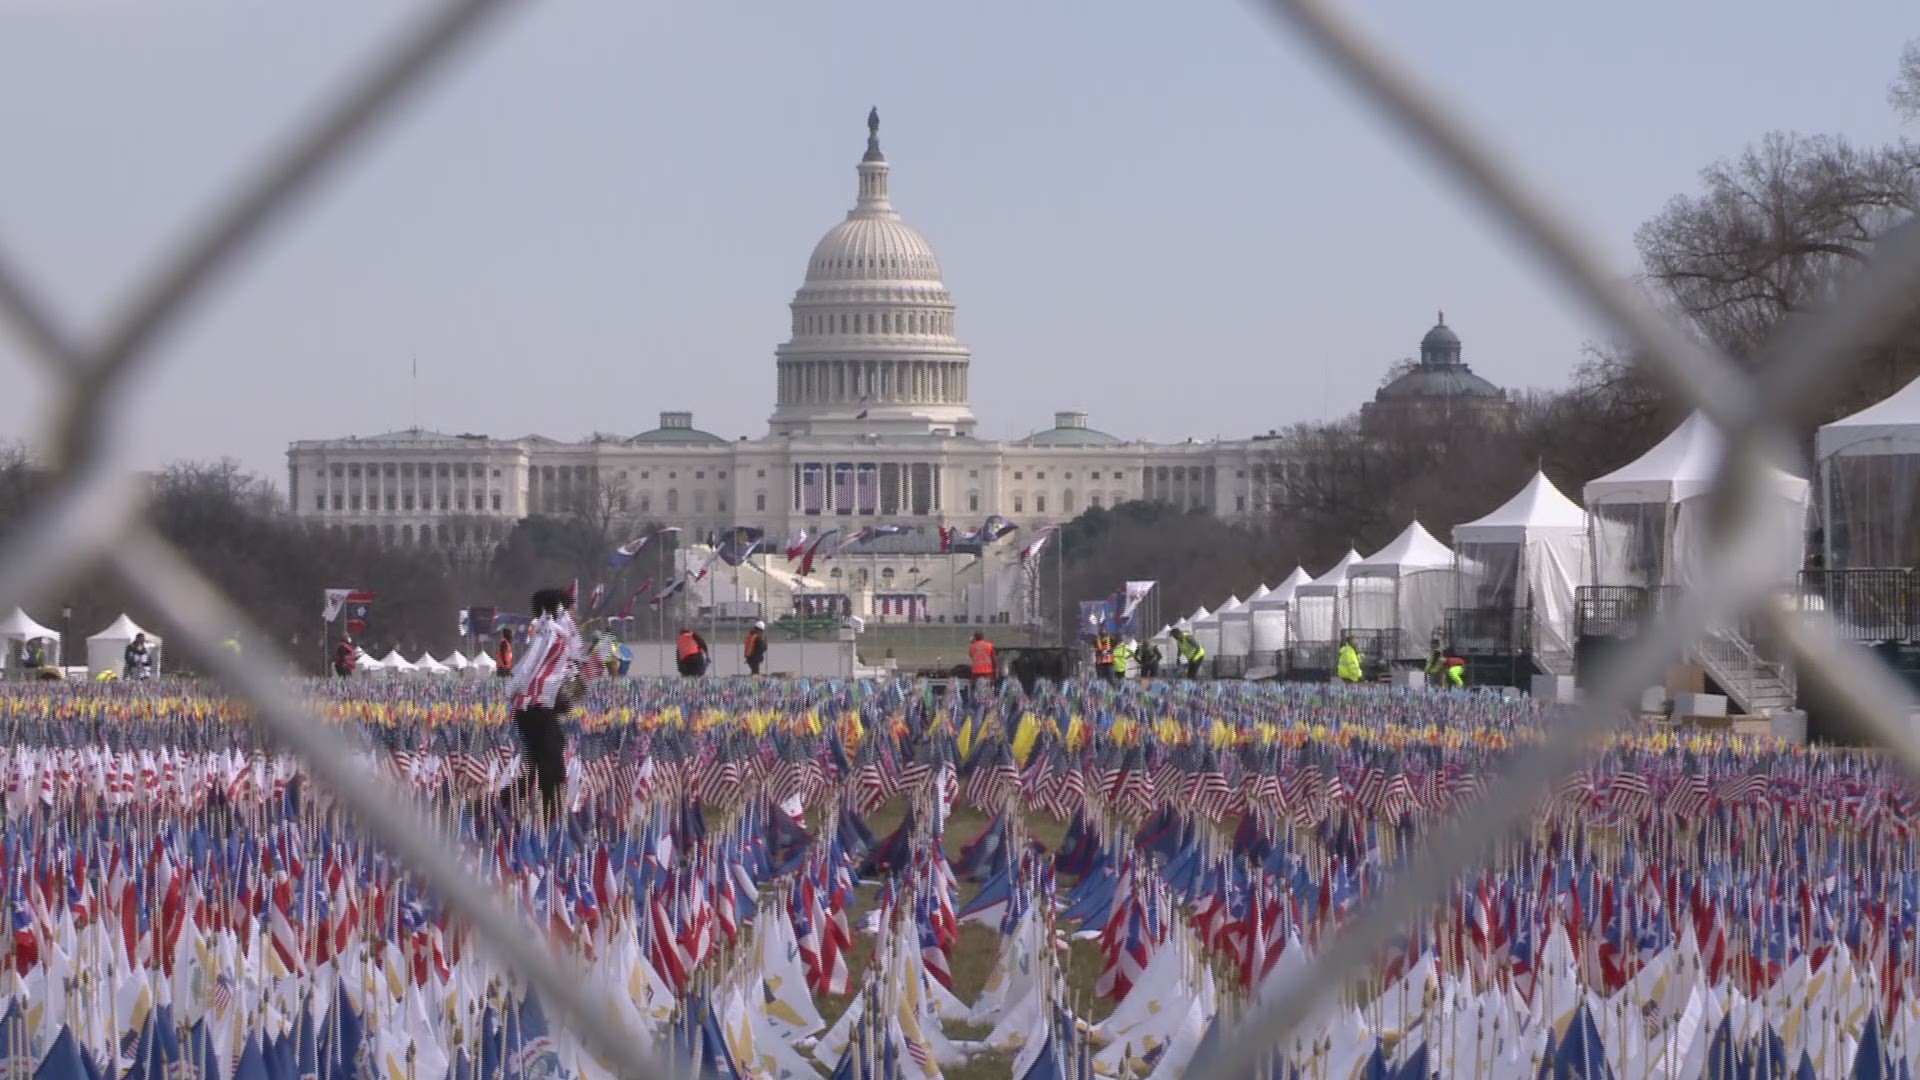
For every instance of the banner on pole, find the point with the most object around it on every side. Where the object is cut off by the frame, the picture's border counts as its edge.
(333, 601)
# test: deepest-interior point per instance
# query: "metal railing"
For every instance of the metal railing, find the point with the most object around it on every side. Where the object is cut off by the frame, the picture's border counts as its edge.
(90, 518)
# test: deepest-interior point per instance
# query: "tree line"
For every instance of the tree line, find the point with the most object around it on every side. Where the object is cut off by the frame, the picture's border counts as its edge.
(1770, 235)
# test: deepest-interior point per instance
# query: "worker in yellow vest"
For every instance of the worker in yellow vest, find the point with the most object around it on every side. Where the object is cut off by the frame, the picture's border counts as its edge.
(1348, 667)
(1191, 652)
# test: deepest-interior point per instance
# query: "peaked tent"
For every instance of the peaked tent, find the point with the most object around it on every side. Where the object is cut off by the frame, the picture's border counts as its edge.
(1267, 617)
(1313, 625)
(1399, 594)
(1521, 568)
(1869, 470)
(1206, 627)
(393, 661)
(429, 666)
(458, 662)
(107, 650)
(16, 630)
(1646, 520)
(483, 663)
(1236, 625)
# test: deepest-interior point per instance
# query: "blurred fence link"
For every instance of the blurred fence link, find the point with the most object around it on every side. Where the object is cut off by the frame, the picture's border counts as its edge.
(92, 514)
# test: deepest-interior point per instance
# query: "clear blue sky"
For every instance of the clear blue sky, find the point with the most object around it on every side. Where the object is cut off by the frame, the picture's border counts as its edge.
(1125, 196)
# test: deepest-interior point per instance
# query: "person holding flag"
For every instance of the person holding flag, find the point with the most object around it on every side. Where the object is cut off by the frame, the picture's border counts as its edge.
(535, 694)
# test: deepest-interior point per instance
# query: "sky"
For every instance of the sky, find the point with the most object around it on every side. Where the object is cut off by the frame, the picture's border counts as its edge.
(1170, 216)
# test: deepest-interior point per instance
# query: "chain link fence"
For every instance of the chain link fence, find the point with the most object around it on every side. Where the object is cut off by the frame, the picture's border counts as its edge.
(91, 517)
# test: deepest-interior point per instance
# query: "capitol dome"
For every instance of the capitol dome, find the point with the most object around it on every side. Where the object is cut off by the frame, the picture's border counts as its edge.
(872, 350)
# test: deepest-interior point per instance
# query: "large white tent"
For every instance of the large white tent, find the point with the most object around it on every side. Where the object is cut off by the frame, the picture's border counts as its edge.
(1401, 592)
(16, 630)
(1314, 620)
(1267, 617)
(393, 661)
(1205, 626)
(1520, 570)
(483, 663)
(1646, 520)
(1869, 469)
(107, 650)
(1236, 625)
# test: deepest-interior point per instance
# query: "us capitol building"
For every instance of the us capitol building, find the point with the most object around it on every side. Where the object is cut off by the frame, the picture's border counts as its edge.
(871, 425)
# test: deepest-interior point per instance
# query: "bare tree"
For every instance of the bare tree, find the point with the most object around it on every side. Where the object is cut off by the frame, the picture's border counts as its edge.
(1774, 233)
(1904, 95)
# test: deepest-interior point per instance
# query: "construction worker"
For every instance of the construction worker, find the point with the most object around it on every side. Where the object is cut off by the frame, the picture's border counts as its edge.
(1103, 655)
(1122, 652)
(980, 660)
(1456, 671)
(690, 654)
(1149, 658)
(503, 653)
(1191, 652)
(1436, 662)
(755, 648)
(1348, 668)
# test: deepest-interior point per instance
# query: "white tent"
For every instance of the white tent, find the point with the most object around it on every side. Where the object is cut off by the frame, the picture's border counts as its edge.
(364, 661)
(393, 661)
(1267, 617)
(1520, 569)
(458, 662)
(1313, 623)
(429, 666)
(16, 630)
(1401, 592)
(1646, 520)
(1188, 623)
(1870, 484)
(1206, 627)
(1236, 625)
(483, 663)
(107, 650)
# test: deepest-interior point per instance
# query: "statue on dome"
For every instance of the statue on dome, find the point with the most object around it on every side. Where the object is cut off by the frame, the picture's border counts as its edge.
(873, 122)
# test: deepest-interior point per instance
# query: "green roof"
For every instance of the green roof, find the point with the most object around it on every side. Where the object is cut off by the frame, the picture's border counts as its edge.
(1070, 436)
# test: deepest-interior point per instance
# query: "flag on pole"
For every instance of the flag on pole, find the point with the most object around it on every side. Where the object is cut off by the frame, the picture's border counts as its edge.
(466, 628)
(359, 605)
(334, 600)
(599, 594)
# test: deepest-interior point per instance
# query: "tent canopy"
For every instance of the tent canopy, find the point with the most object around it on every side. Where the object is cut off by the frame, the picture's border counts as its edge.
(1539, 508)
(484, 661)
(1331, 582)
(1682, 466)
(1413, 550)
(1282, 594)
(122, 630)
(1231, 604)
(394, 661)
(1890, 427)
(18, 627)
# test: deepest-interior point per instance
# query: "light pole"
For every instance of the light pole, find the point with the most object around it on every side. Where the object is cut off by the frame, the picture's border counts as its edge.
(66, 632)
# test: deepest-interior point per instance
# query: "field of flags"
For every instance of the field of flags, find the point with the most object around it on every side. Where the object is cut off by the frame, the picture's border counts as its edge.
(875, 879)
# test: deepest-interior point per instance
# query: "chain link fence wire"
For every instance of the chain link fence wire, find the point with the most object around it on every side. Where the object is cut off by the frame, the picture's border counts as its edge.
(91, 515)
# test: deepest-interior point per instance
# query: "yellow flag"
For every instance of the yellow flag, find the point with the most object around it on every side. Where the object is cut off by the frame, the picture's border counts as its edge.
(1024, 737)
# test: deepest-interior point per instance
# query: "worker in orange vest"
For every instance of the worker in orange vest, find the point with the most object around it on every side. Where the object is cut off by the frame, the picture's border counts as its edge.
(755, 648)
(980, 654)
(691, 654)
(503, 656)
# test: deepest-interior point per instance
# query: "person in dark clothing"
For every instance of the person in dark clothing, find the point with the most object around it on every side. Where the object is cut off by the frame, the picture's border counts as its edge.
(691, 654)
(540, 697)
(138, 659)
(1149, 659)
(756, 647)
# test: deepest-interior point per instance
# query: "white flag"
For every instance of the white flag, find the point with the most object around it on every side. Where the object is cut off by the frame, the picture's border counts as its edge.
(465, 629)
(335, 600)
